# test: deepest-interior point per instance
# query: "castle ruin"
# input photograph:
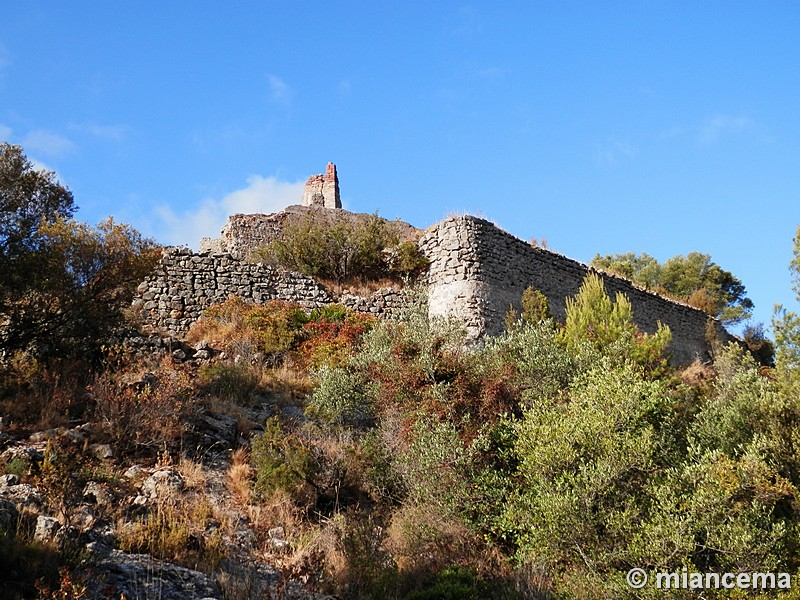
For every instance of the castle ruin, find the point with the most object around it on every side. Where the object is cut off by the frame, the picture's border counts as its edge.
(322, 190)
(477, 271)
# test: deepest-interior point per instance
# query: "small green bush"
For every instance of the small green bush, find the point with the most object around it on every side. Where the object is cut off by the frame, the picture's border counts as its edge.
(340, 399)
(276, 326)
(407, 260)
(453, 583)
(235, 383)
(17, 466)
(281, 460)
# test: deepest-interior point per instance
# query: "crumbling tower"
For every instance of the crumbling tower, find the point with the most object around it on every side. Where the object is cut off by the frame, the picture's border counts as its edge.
(322, 190)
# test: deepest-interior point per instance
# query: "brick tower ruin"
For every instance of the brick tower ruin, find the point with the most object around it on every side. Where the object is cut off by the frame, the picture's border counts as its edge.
(322, 190)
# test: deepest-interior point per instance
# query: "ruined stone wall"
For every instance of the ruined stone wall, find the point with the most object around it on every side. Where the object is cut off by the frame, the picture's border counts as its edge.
(242, 234)
(322, 190)
(184, 284)
(478, 270)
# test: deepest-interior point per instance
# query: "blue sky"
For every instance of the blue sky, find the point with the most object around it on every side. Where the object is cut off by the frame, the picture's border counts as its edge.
(602, 127)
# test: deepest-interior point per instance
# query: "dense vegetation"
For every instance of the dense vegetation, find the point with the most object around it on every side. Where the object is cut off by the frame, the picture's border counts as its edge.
(693, 278)
(63, 284)
(398, 461)
(343, 248)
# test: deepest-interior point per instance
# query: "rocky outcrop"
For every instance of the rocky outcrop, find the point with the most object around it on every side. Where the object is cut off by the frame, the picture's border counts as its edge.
(90, 525)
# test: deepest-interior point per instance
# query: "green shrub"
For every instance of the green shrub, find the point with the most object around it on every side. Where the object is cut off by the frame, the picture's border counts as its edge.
(340, 399)
(329, 312)
(407, 260)
(585, 465)
(535, 309)
(332, 248)
(281, 460)
(594, 320)
(276, 326)
(453, 583)
(235, 383)
(17, 466)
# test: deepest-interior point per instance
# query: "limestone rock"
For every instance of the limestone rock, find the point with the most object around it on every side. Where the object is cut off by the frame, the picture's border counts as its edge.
(162, 482)
(9, 517)
(46, 529)
(140, 577)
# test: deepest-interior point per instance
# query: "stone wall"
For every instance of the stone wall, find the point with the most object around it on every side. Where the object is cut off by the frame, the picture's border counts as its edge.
(184, 284)
(478, 270)
(242, 234)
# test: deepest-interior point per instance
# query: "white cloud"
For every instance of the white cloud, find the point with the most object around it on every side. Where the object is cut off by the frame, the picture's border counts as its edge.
(280, 90)
(723, 125)
(262, 195)
(610, 152)
(47, 143)
(113, 133)
(5, 133)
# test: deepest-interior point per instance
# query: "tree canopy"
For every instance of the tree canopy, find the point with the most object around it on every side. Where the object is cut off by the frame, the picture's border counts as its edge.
(786, 327)
(693, 278)
(63, 284)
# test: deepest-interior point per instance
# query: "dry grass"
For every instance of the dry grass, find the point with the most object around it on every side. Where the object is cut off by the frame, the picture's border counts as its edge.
(361, 287)
(193, 473)
(422, 539)
(301, 555)
(184, 529)
(289, 381)
(241, 475)
(697, 374)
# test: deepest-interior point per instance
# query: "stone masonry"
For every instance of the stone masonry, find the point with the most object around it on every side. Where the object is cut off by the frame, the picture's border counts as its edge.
(323, 190)
(478, 271)
(184, 284)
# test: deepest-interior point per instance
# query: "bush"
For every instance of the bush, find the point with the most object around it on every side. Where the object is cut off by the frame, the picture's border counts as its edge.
(281, 462)
(234, 383)
(242, 328)
(330, 342)
(341, 248)
(453, 583)
(407, 260)
(145, 412)
(593, 320)
(586, 464)
(357, 565)
(340, 399)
